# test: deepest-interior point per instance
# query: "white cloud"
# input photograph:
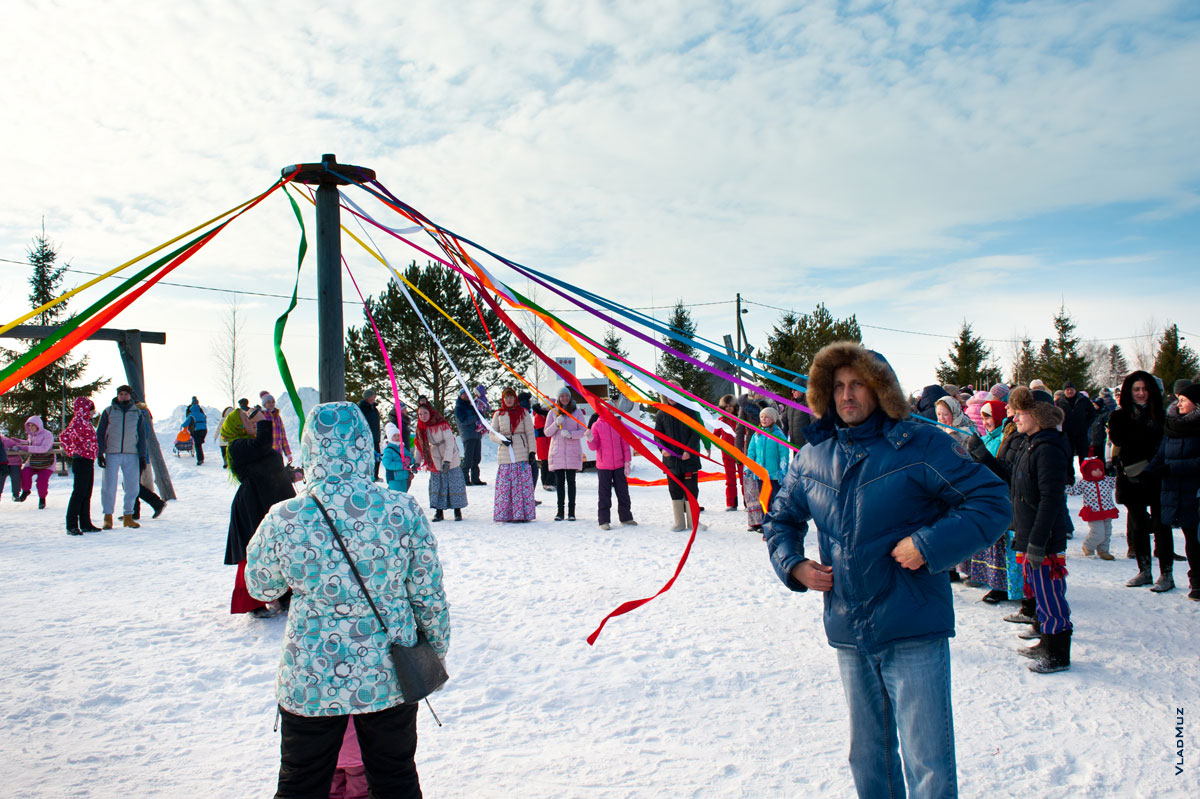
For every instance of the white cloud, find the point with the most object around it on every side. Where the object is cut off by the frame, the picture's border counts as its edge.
(641, 149)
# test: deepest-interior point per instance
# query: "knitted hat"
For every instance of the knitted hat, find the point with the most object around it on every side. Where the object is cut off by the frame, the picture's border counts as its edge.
(996, 409)
(1038, 402)
(1192, 392)
(1092, 469)
(265, 396)
(1180, 384)
(999, 391)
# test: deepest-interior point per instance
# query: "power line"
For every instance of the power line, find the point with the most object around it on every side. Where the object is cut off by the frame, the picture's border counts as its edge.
(943, 335)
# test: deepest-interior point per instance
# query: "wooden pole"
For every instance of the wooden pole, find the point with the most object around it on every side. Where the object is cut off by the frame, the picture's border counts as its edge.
(327, 176)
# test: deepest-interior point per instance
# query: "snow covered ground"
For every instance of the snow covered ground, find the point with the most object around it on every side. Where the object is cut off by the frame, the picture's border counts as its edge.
(122, 672)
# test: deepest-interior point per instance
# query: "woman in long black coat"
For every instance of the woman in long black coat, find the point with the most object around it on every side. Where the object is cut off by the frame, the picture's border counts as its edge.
(258, 467)
(1136, 429)
(1177, 464)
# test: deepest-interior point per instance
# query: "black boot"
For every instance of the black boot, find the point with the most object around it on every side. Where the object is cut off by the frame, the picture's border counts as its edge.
(559, 516)
(1143, 576)
(438, 515)
(1026, 615)
(1058, 654)
(571, 513)
(458, 514)
(24, 496)
(42, 505)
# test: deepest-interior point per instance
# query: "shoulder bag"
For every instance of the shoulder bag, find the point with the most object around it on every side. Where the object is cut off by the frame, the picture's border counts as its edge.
(418, 668)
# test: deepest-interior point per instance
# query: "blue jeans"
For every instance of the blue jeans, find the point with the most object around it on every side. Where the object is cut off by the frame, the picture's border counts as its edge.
(903, 690)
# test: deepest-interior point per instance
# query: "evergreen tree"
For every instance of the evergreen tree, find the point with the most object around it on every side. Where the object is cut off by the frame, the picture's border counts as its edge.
(1174, 359)
(1063, 358)
(796, 339)
(418, 363)
(968, 356)
(612, 343)
(49, 393)
(676, 370)
(1026, 366)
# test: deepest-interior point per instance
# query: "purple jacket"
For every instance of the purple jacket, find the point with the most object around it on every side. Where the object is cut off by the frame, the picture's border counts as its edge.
(612, 451)
(566, 439)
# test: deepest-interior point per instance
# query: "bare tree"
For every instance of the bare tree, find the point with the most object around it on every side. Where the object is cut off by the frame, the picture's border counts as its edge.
(539, 333)
(1145, 343)
(228, 350)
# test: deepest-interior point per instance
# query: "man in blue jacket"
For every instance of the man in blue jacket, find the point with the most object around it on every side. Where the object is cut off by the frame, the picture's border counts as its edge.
(895, 505)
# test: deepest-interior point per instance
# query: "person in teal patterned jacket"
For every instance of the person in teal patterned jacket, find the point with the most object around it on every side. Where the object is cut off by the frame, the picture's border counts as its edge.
(335, 661)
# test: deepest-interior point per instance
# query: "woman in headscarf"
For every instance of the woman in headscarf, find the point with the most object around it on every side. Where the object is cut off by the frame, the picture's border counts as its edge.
(437, 450)
(80, 445)
(263, 481)
(949, 412)
(566, 428)
(515, 437)
(1136, 429)
(990, 567)
(336, 661)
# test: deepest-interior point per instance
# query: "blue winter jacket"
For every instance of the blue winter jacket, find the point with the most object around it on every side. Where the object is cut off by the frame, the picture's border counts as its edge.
(464, 414)
(865, 488)
(195, 415)
(769, 453)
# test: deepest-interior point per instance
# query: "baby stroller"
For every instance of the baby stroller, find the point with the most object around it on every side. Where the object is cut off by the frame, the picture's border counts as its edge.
(183, 443)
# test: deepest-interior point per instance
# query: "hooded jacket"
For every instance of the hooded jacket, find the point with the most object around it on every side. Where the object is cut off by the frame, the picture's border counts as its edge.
(865, 488)
(468, 422)
(566, 432)
(79, 438)
(1177, 464)
(335, 654)
(1137, 430)
(38, 445)
(769, 453)
(612, 451)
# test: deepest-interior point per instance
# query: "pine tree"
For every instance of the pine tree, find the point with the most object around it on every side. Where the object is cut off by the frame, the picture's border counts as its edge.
(967, 358)
(1063, 357)
(1026, 366)
(418, 363)
(1174, 359)
(676, 370)
(49, 393)
(612, 343)
(796, 339)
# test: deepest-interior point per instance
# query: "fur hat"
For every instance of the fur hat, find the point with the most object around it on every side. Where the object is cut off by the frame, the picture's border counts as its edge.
(1038, 402)
(1192, 392)
(873, 368)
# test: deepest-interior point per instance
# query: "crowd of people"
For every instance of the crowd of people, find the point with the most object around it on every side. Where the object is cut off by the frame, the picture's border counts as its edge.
(902, 492)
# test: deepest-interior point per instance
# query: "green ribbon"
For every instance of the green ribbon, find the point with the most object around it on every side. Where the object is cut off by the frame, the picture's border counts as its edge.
(284, 372)
(78, 319)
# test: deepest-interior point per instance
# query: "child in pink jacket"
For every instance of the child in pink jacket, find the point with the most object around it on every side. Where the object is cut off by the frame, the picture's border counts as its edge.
(39, 460)
(613, 457)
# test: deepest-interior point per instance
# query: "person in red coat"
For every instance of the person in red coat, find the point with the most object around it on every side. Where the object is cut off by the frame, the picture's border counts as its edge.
(542, 442)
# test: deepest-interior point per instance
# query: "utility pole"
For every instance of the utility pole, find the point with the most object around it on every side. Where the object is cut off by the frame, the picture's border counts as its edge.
(738, 324)
(327, 176)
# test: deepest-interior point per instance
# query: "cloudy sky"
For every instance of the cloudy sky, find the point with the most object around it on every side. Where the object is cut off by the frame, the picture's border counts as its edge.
(913, 163)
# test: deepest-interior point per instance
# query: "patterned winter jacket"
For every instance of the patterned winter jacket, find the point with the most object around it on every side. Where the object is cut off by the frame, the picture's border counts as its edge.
(79, 438)
(1097, 496)
(335, 655)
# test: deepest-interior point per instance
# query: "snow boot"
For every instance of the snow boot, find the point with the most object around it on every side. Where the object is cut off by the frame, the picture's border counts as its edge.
(107, 521)
(1166, 580)
(1058, 655)
(678, 506)
(1194, 595)
(438, 515)
(1032, 634)
(162, 506)
(571, 512)
(1143, 576)
(606, 526)
(458, 514)
(994, 597)
(1026, 615)
(1040, 651)
(629, 523)
(24, 495)
(127, 521)
(1104, 554)
(74, 531)
(687, 518)
(41, 503)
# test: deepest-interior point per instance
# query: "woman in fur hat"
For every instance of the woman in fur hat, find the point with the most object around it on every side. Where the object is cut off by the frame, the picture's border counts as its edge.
(1135, 429)
(1041, 524)
(1177, 464)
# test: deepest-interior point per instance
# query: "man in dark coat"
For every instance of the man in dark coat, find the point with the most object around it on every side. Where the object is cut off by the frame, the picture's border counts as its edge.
(1079, 414)
(895, 504)
(371, 414)
(680, 447)
(795, 420)
(472, 439)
